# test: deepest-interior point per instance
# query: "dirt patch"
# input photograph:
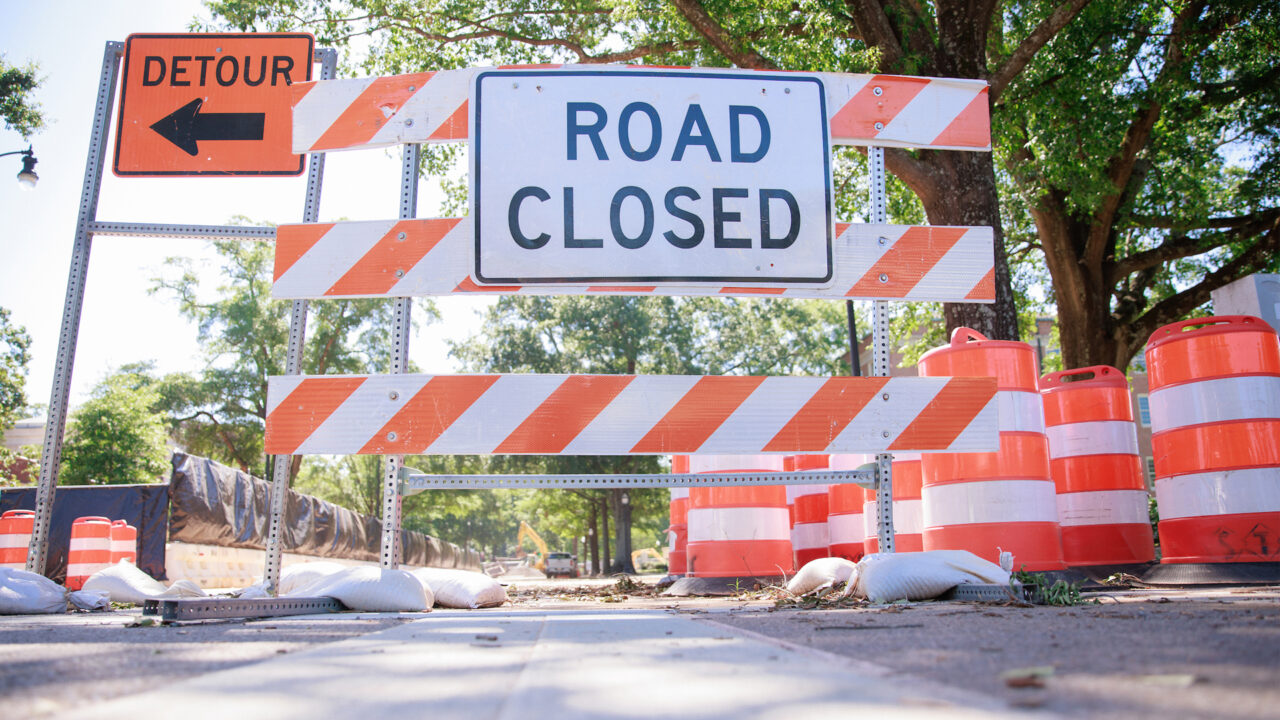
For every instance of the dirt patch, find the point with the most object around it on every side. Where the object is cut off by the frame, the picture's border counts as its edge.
(1176, 655)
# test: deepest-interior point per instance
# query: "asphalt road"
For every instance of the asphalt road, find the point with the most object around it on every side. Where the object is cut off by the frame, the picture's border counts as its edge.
(1176, 654)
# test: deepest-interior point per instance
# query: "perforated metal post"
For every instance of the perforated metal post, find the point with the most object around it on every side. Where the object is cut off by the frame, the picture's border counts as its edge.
(51, 455)
(880, 360)
(391, 497)
(293, 362)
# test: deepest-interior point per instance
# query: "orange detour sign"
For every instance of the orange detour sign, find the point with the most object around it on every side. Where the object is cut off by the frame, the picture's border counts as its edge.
(210, 104)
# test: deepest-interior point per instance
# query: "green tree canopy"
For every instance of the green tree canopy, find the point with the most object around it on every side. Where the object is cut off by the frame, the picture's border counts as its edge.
(1142, 145)
(117, 436)
(15, 353)
(18, 108)
(221, 412)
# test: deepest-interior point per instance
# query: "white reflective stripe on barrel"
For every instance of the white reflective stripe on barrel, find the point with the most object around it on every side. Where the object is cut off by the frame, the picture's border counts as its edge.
(908, 517)
(1223, 492)
(118, 546)
(1101, 437)
(846, 528)
(735, 463)
(681, 492)
(806, 536)
(90, 543)
(906, 456)
(1103, 507)
(740, 523)
(989, 501)
(795, 491)
(8, 541)
(1020, 411)
(84, 569)
(1233, 398)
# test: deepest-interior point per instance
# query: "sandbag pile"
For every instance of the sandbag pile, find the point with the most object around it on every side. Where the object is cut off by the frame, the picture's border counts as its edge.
(28, 593)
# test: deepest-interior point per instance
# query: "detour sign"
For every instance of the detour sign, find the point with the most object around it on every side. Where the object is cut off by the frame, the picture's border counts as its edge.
(210, 104)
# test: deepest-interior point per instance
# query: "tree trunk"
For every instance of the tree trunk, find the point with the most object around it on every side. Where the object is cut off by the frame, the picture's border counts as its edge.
(622, 543)
(938, 185)
(593, 537)
(1085, 327)
(604, 532)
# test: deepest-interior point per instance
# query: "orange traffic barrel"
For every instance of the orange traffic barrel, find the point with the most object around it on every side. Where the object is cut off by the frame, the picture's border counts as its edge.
(124, 542)
(15, 537)
(845, 527)
(678, 532)
(738, 531)
(90, 549)
(908, 513)
(1094, 462)
(1215, 437)
(993, 501)
(809, 537)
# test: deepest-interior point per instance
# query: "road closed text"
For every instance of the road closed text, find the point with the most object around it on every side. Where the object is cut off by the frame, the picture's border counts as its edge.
(650, 176)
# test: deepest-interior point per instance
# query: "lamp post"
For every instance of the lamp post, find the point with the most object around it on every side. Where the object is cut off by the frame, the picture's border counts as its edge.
(27, 176)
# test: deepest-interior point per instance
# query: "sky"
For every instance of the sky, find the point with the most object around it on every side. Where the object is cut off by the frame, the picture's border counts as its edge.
(121, 321)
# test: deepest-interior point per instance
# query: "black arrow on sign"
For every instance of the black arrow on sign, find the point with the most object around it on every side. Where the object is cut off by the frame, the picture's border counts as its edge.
(186, 125)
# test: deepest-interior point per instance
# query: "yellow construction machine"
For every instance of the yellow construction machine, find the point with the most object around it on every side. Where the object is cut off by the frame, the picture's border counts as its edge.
(540, 555)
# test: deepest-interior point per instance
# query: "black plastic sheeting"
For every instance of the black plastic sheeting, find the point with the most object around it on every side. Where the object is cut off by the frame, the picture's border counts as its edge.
(146, 507)
(217, 505)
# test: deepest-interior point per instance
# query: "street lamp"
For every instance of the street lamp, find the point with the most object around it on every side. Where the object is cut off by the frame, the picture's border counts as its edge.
(27, 176)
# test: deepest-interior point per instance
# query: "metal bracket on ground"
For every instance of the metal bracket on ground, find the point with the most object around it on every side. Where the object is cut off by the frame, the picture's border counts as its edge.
(181, 609)
(414, 481)
(987, 592)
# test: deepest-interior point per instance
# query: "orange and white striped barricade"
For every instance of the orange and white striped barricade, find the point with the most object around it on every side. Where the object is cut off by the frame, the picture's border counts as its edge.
(988, 500)
(737, 534)
(845, 501)
(435, 256)
(124, 542)
(908, 511)
(1094, 461)
(90, 549)
(433, 107)
(809, 538)
(15, 538)
(624, 414)
(1215, 437)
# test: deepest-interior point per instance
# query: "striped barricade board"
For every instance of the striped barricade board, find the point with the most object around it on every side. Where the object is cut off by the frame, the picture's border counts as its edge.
(627, 414)
(422, 257)
(432, 107)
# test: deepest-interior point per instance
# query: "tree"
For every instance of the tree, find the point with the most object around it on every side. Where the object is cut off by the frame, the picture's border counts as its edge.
(1143, 146)
(15, 353)
(17, 106)
(947, 38)
(221, 413)
(117, 437)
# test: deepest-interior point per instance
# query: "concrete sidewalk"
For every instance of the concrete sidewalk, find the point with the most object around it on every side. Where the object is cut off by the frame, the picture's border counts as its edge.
(562, 664)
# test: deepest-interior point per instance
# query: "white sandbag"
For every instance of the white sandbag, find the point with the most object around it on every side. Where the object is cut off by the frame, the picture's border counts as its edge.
(91, 600)
(922, 575)
(125, 583)
(299, 574)
(821, 574)
(462, 588)
(28, 593)
(367, 588)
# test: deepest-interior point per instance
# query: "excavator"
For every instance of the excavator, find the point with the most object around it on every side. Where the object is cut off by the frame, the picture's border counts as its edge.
(551, 563)
(540, 555)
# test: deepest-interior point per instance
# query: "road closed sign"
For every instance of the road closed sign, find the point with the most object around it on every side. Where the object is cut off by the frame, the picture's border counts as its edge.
(644, 176)
(210, 104)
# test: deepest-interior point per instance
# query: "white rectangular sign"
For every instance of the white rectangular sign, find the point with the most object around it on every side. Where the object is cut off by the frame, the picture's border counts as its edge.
(650, 176)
